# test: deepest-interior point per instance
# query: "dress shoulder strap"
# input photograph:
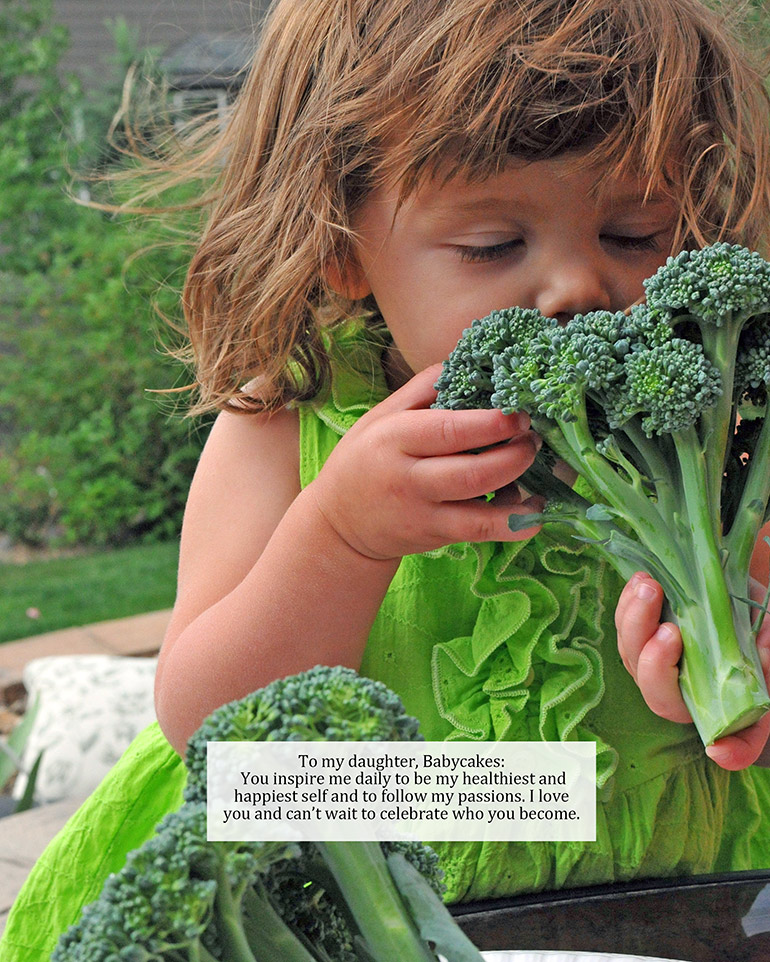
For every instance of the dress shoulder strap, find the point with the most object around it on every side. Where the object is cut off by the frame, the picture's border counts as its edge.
(357, 383)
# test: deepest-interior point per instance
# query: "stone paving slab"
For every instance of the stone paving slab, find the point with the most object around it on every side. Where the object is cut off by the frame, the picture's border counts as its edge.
(136, 636)
(22, 839)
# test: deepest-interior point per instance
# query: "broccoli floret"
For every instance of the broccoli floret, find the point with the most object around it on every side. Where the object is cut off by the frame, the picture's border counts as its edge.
(721, 286)
(645, 407)
(325, 704)
(467, 374)
(181, 898)
(752, 368)
(671, 384)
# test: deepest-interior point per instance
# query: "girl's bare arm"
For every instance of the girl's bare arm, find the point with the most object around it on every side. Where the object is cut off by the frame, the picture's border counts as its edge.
(274, 579)
(259, 566)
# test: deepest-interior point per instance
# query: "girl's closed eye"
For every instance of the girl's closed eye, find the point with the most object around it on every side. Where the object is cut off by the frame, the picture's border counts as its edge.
(484, 253)
(473, 254)
(635, 242)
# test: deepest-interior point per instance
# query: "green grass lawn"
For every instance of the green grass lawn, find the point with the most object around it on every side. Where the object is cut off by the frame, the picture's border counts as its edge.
(87, 588)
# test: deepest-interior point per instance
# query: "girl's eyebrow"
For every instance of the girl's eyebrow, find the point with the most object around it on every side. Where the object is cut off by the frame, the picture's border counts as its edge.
(654, 199)
(452, 208)
(444, 210)
(630, 195)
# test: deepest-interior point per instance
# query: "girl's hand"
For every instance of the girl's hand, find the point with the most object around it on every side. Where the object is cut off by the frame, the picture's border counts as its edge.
(651, 653)
(403, 480)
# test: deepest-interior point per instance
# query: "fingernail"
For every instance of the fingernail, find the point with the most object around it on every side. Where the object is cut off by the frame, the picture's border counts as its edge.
(718, 754)
(666, 632)
(645, 591)
(522, 421)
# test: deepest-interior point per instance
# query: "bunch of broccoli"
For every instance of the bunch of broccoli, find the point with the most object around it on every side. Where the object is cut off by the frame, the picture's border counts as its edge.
(662, 412)
(181, 898)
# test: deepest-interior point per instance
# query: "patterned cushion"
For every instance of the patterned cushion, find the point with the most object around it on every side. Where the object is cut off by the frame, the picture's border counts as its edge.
(90, 709)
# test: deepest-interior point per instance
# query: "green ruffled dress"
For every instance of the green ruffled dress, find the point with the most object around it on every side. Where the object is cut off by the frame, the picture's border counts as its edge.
(509, 641)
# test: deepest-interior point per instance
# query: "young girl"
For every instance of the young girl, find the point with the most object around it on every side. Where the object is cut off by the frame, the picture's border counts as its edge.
(392, 170)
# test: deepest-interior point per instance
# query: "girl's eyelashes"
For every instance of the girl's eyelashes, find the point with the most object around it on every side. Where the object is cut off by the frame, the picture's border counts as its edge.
(631, 242)
(489, 252)
(473, 254)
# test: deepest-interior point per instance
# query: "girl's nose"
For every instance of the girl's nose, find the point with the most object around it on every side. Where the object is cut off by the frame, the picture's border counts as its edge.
(571, 287)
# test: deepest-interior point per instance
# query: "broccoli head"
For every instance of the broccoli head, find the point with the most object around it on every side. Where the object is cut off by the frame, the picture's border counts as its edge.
(467, 374)
(323, 704)
(181, 898)
(647, 407)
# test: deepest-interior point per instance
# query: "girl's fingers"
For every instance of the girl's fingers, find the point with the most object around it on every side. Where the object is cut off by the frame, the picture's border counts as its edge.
(435, 433)
(476, 521)
(626, 596)
(417, 394)
(763, 648)
(532, 505)
(419, 390)
(657, 674)
(637, 617)
(460, 477)
(741, 749)
(422, 431)
(650, 651)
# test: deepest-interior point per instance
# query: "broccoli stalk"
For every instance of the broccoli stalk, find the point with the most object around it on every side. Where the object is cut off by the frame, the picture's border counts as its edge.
(181, 898)
(645, 407)
(377, 907)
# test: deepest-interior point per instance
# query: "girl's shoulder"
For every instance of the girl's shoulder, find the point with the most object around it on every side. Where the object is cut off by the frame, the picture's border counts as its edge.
(244, 448)
(246, 479)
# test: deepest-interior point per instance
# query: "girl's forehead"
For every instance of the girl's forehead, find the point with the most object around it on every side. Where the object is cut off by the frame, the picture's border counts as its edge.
(522, 195)
(452, 182)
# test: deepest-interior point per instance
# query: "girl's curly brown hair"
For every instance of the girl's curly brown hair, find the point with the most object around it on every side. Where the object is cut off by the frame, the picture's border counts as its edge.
(345, 94)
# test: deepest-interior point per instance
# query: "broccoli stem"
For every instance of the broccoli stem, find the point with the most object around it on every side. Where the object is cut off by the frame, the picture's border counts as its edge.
(720, 674)
(540, 479)
(720, 345)
(234, 942)
(721, 684)
(574, 444)
(199, 953)
(362, 874)
(269, 936)
(641, 513)
(750, 514)
(660, 471)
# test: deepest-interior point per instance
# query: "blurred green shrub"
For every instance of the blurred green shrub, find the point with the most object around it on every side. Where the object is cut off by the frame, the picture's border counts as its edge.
(92, 455)
(88, 452)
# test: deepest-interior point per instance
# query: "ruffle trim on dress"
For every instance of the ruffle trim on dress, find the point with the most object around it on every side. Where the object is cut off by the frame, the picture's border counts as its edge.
(532, 667)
